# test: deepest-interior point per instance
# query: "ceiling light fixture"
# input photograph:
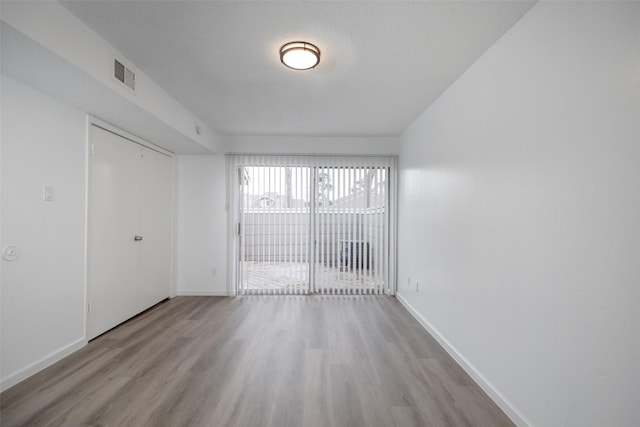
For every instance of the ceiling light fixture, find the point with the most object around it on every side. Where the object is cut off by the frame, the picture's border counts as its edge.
(300, 55)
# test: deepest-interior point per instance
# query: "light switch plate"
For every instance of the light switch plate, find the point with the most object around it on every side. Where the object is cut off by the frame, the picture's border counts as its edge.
(47, 193)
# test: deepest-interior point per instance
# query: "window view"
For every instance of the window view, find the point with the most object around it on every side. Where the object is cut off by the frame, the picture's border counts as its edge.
(313, 229)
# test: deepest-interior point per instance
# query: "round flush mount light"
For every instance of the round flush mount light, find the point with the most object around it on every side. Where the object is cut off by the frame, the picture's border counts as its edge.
(300, 55)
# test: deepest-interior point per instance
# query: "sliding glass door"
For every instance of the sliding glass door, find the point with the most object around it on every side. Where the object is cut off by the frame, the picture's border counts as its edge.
(350, 230)
(312, 225)
(274, 223)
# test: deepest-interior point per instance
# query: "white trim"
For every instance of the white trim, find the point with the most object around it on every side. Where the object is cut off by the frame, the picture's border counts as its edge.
(85, 258)
(231, 202)
(126, 135)
(392, 274)
(219, 293)
(41, 364)
(393, 229)
(173, 285)
(313, 161)
(484, 384)
(93, 122)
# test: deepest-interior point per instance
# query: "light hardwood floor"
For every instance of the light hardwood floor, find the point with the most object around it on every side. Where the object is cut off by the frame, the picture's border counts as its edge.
(257, 361)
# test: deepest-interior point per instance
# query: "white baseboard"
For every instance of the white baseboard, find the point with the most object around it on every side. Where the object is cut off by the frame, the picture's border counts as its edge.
(223, 293)
(485, 385)
(39, 365)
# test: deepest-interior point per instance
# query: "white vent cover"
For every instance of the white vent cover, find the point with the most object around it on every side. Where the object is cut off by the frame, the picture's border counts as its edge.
(124, 75)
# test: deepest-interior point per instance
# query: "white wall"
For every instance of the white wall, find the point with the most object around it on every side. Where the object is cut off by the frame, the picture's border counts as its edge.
(202, 226)
(48, 48)
(201, 242)
(263, 144)
(42, 292)
(519, 216)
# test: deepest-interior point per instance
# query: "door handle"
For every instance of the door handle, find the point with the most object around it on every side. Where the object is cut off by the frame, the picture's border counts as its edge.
(137, 238)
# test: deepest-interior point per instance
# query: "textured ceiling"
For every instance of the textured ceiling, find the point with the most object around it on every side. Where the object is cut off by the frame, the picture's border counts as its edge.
(382, 64)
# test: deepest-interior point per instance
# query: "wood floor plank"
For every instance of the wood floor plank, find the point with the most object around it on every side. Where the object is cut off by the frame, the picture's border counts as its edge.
(405, 416)
(310, 361)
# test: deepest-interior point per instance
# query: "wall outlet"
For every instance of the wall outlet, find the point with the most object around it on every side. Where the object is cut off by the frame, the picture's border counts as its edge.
(214, 272)
(409, 282)
(417, 287)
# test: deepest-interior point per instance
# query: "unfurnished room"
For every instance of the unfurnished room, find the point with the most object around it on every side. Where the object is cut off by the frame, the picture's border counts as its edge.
(320, 213)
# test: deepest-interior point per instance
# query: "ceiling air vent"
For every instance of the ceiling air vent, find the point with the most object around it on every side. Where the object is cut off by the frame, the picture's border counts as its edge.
(124, 75)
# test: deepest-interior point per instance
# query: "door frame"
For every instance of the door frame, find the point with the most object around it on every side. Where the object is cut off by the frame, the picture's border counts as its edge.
(232, 205)
(94, 121)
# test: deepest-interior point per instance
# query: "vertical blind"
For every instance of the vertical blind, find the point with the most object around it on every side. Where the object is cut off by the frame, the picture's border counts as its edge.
(312, 224)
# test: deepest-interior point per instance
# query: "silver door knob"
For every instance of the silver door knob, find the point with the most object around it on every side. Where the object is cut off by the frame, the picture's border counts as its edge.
(137, 238)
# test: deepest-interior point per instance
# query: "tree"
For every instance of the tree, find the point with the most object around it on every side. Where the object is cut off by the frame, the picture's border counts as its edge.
(324, 188)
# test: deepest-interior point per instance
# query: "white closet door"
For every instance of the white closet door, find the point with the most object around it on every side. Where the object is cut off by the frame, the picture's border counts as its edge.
(113, 222)
(155, 228)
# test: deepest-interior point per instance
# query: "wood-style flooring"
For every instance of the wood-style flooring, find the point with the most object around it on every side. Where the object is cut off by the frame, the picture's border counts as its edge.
(257, 361)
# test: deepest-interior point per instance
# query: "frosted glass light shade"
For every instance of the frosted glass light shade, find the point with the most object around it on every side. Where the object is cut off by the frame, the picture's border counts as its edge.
(300, 55)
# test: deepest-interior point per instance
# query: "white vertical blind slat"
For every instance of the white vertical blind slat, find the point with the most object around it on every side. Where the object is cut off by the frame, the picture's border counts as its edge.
(385, 258)
(380, 230)
(310, 173)
(302, 228)
(321, 223)
(350, 237)
(334, 228)
(289, 227)
(241, 226)
(296, 226)
(367, 229)
(359, 235)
